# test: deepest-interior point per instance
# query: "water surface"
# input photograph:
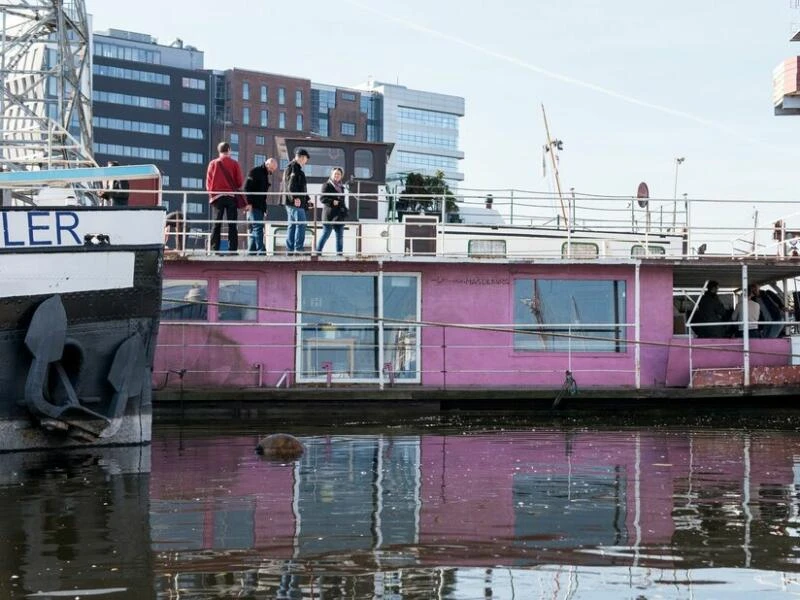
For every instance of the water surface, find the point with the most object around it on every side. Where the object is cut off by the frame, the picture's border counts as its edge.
(448, 506)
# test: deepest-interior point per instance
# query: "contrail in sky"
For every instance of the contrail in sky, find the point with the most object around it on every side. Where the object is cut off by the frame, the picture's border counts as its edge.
(558, 76)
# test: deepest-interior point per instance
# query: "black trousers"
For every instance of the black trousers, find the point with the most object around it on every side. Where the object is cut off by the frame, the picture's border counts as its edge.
(225, 206)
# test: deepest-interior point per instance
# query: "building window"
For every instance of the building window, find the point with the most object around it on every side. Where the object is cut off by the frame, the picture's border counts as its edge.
(577, 315)
(135, 126)
(428, 117)
(234, 141)
(192, 133)
(131, 74)
(191, 183)
(131, 151)
(299, 122)
(193, 83)
(263, 93)
(282, 120)
(127, 53)
(192, 158)
(259, 140)
(264, 118)
(184, 300)
(245, 91)
(193, 109)
(364, 161)
(347, 128)
(412, 160)
(298, 98)
(322, 159)
(281, 96)
(349, 337)
(129, 100)
(259, 159)
(245, 116)
(349, 96)
(238, 300)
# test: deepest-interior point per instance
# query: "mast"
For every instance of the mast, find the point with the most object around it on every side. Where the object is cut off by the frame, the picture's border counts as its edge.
(45, 98)
(551, 146)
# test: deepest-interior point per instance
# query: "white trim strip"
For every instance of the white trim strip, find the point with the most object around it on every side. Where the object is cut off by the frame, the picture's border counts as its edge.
(28, 274)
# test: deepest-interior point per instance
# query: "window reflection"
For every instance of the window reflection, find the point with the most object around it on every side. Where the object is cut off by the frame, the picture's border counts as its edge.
(363, 164)
(184, 300)
(238, 300)
(339, 326)
(322, 160)
(559, 315)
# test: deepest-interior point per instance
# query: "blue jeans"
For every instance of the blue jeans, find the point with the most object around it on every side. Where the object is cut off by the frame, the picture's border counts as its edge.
(326, 233)
(296, 232)
(255, 224)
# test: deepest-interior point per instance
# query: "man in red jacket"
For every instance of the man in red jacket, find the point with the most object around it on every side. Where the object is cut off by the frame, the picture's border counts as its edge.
(224, 181)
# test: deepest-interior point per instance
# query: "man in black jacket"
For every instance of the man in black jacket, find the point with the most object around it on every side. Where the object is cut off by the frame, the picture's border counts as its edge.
(297, 201)
(256, 186)
(117, 194)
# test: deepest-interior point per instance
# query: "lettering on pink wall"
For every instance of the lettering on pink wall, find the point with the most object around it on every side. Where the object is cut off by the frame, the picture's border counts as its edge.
(471, 280)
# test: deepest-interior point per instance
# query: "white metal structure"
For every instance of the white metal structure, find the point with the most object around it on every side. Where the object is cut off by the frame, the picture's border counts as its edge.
(45, 99)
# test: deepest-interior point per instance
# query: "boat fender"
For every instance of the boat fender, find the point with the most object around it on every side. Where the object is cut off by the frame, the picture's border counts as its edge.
(280, 446)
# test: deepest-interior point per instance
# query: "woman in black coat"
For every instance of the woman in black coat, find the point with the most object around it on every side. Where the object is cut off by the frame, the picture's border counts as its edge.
(335, 212)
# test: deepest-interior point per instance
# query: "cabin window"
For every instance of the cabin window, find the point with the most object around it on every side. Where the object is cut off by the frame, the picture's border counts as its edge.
(569, 315)
(238, 300)
(639, 250)
(362, 167)
(579, 250)
(339, 326)
(486, 248)
(322, 160)
(184, 300)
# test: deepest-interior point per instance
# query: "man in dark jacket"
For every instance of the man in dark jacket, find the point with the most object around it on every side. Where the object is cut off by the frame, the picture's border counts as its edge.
(297, 201)
(710, 310)
(256, 186)
(117, 194)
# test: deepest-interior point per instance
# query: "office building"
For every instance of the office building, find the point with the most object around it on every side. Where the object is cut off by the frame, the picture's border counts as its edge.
(151, 103)
(424, 127)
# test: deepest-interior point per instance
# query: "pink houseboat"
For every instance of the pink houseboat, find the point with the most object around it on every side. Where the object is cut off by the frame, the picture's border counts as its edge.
(424, 306)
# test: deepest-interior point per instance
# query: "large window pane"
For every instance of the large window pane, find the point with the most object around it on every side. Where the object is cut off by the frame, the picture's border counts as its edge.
(238, 300)
(559, 315)
(400, 332)
(184, 300)
(339, 326)
(322, 160)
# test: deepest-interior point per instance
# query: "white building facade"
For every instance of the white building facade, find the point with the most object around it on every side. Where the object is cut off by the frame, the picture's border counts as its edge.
(424, 127)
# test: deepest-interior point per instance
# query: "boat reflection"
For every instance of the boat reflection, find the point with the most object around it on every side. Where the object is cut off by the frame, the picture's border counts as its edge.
(416, 513)
(76, 523)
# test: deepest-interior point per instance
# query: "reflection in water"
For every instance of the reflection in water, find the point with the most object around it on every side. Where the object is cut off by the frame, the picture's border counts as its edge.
(75, 520)
(410, 511)
(490, 515)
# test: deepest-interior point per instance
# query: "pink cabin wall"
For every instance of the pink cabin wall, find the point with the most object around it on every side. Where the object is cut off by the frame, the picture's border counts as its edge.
(484, 294)
(241, 354)
(708, 353)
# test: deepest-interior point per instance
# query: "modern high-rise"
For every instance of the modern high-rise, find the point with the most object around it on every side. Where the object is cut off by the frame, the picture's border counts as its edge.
(424, 127)
(152, 103)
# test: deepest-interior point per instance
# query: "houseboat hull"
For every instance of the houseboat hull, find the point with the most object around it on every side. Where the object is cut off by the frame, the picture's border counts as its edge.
(411, 328)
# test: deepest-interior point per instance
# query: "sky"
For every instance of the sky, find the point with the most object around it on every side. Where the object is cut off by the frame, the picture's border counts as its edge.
(628, 86)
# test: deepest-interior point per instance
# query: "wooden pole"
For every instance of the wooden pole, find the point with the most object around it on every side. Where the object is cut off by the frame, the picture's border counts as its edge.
(555, 168)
